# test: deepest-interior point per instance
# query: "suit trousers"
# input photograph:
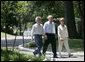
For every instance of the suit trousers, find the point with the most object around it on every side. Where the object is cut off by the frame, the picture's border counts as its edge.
(60, 44)
(50, 39)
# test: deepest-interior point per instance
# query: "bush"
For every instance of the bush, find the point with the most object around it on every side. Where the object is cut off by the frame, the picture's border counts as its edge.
(12, 55)
(17, 56)
(30, 44)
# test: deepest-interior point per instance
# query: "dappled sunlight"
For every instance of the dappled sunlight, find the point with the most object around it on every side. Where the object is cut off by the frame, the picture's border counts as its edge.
(25, 23)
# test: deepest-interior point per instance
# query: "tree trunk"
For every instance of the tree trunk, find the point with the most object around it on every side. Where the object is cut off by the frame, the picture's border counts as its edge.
(83, 19)
(70, 19)
(20, 28)
(14, 42)
(6, 37)
(81, 12)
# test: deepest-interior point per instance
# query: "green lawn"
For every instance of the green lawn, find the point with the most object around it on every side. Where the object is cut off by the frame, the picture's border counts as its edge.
(3, 34)
(76, 45)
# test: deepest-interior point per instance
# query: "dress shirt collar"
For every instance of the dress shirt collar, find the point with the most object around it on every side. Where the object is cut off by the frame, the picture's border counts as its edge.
(50, 22)
(37, 24)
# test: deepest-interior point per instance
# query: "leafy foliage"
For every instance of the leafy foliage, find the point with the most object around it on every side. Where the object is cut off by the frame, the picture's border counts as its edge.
(8, 55)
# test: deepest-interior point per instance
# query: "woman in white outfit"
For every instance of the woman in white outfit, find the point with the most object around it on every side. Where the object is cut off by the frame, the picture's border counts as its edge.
(63, 37)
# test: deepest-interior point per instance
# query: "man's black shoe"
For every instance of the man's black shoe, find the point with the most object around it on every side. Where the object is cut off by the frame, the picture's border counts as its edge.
(55, 57)
(34, 53)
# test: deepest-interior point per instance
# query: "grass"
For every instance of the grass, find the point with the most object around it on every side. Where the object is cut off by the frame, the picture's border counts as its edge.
(15, 55)
(76, 45)
(3, 34)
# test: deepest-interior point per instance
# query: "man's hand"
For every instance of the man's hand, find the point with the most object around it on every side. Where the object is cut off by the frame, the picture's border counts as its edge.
(45, 37)
(61, 39)
(32, 38)
(67, 38)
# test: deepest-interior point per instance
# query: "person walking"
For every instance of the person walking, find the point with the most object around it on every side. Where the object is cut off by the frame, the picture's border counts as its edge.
(37, 32)
(63, 37)
(49, 29)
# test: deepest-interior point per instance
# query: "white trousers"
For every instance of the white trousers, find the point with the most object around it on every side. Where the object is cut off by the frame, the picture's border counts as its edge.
(60, 44)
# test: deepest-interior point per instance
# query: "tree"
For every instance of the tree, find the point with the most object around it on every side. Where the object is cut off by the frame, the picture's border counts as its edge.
(8, 14)
(70, 19)
(12, 10)
(79, 12)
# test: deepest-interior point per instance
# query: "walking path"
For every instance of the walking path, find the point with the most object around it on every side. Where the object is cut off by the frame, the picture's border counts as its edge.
(75, 57)
(10, 41)
(19, 41)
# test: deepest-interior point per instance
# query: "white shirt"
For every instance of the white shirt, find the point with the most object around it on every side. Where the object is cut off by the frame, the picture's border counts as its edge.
(62, 31)
(37, 29)
(49, 27)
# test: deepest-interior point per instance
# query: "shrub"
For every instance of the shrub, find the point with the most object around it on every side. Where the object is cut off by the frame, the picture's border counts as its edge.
(18, 56)
(31, 44)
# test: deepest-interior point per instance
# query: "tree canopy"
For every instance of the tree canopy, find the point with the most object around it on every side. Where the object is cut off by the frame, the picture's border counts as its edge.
(19, 13)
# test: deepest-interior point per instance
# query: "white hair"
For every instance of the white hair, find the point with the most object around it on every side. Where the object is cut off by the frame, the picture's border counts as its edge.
(37, 18)
(49, 16)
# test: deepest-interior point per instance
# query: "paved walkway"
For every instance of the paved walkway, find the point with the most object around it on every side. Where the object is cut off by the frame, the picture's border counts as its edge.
(10, 41)
(19, 41)
(75, 57)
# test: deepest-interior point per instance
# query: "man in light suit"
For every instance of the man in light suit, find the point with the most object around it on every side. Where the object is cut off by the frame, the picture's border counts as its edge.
(63, 37)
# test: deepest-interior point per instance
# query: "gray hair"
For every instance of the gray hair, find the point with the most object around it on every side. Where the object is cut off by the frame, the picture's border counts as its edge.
(49, 16)
(37, 18)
